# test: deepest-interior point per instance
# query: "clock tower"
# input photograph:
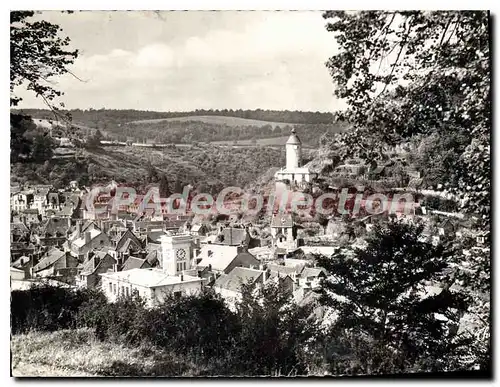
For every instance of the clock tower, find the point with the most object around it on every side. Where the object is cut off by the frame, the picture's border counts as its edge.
(293, 151)
(176, 253)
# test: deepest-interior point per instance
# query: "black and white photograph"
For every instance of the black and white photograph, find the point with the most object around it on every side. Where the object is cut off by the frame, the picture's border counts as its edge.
(252, 193)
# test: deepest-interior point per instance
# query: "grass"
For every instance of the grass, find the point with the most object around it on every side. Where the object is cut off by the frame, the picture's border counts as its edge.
(79, 353)
(231, 121)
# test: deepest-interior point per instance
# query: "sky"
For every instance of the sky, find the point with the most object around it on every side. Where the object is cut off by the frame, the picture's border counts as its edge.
(186, 60)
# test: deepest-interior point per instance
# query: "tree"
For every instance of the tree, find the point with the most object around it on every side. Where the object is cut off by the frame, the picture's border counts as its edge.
(379, 295)
(94, 141)
(275, 332)
(152, 173)
(423, 75)
(37, 53)
(20, 144)
(164, 190)
(42, 149)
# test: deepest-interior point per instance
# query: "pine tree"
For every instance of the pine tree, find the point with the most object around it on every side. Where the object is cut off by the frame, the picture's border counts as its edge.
(380, 297)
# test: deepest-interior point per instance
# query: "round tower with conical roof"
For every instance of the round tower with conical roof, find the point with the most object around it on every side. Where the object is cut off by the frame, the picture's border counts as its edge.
(293, 151)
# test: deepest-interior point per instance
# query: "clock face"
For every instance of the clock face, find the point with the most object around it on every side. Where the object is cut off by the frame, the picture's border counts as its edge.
(295, 147)
(181, 254)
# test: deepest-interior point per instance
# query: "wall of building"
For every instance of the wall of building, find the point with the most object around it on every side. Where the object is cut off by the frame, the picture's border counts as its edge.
(185, 288)
(152, 296)
(293, 156)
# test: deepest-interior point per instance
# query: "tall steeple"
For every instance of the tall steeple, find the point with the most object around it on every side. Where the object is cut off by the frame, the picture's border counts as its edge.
(293, 151)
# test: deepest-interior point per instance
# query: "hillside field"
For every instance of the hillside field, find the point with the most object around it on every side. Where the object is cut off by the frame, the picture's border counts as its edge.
(220, 120)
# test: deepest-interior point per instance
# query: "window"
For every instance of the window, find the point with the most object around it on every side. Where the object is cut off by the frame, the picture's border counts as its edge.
(110, 287)
(114, 288)
(127, 290)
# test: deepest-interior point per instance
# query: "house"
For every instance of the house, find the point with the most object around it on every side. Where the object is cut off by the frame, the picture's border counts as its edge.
(283, 232)
(233, 236)
(40, 199)
(447, 227)
(19, 232)
(285, 282)
(229, 285)
(21, 201)
(85, 239)
(56, 263)
(17, 274)
(292, 271)
(221, 259)
(25, 264)
(128, 241)
(20, 248)
(30, 216)
(53, 200)
(310, 277)
(199, 229)
(89, 275)
(153, 285)
(483, 237)
(54, 232)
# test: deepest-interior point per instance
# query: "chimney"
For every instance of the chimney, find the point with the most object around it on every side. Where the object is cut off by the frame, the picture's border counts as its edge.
(296, 284)
(87, 237)
(264, 276)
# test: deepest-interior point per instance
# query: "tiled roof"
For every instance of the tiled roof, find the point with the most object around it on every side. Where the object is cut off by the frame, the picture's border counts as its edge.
(53, 256)
(19, 227)
(233, 236)
(284, 269)
(135, 263)
(152, 257)
(313, 272)
(218, 256)
(237, 277)
(80, 242)
(93, 263)
(293, 139)
(55, 225)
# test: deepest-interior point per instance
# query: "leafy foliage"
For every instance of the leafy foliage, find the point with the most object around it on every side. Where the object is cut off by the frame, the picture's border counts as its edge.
(37, 53)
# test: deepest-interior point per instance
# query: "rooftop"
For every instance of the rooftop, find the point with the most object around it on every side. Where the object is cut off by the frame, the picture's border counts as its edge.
(237, 277)
(293, 139)
(218, 256)
(150, 278)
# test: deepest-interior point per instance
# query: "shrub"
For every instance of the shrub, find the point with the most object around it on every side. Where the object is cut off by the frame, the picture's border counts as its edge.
(47, 308)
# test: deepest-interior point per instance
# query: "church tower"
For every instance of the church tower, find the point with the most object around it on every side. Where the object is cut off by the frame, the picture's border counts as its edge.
(293, 151)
